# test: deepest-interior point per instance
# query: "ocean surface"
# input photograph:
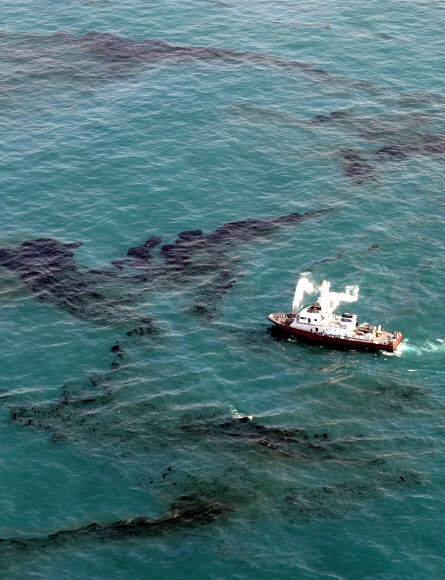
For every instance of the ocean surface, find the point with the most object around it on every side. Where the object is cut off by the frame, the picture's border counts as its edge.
(152, 424)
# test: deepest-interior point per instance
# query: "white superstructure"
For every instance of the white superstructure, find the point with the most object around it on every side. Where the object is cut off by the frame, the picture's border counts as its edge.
(320, 318)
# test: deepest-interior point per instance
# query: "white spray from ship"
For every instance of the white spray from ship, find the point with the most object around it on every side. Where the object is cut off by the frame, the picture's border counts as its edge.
(303, 287)
(327, 300)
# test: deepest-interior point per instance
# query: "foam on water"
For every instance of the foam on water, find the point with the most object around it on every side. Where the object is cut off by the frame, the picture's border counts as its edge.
(427, 348)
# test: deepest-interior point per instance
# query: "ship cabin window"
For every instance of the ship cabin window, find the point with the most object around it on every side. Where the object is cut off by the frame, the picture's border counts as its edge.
(308, 319)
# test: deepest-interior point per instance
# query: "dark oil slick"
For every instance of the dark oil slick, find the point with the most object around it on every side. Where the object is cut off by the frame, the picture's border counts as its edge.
(291, 443)
(183, 515)
(99, 57)
(89, 413)
(430, 145)
(338, 499)
(403, 137)
(398, 138)
(365, 166)
(49, 269)
(90, 416)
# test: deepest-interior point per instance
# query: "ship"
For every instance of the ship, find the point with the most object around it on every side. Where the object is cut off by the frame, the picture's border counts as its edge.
(319, 324)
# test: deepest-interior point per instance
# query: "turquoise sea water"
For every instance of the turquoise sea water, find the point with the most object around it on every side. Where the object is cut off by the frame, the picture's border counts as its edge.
(122, 393)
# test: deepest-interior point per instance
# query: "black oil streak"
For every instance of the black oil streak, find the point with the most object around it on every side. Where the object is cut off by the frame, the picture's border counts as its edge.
(290, 443)
(331, 117)
(182, 516)
(122, 50)
(357, 166)
(363, 167)
(48, 268)
(430, 145)
(338, 256)
(118, 54)
(338, 499)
